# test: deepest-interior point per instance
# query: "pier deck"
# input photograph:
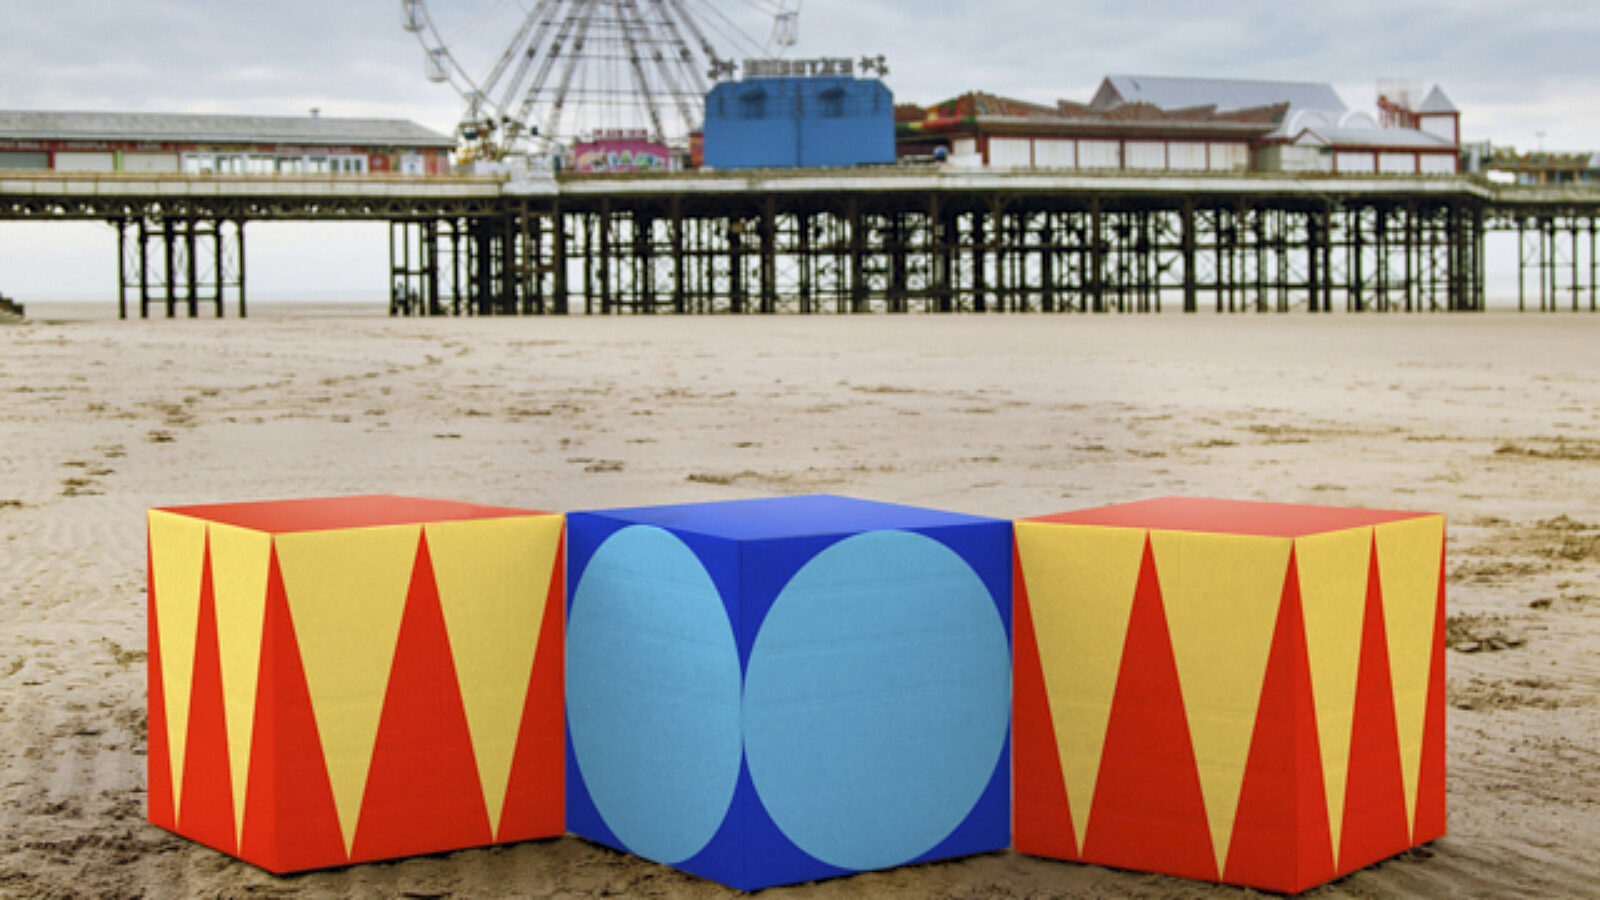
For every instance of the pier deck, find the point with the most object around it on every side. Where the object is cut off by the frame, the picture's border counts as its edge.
(859, 240)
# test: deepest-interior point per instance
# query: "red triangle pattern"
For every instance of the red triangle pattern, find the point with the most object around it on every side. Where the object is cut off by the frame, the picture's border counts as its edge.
(206, 810)
(422, 793)
(1280, 833)
(1430, 820)
(290, 822)
(1148, 813)
(158, 775)
(535, 804)
(1041, 818)
(1374, 808)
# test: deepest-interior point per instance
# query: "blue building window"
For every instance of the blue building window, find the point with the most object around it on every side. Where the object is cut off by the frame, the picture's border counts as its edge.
(753, 104)
(832, 103)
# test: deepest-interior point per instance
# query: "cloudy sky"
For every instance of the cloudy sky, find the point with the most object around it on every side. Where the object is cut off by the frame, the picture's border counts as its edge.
(1522, 73)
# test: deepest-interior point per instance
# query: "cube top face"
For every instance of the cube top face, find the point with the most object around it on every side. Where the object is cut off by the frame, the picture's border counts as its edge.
(776, 518)
(1240, 517)
(788, 708)
(335, 513)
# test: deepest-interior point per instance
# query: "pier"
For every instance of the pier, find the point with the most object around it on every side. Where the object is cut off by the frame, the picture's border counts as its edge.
(867, 240)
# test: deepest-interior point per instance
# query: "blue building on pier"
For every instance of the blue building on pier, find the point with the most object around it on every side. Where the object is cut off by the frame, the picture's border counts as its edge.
(800, 120)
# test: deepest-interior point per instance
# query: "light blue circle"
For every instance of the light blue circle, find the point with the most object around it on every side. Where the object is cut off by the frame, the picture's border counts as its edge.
(653, 694)
(877, 699)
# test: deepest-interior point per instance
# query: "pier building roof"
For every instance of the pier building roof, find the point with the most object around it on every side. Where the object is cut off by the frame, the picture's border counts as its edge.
(1226, 94)
(993, 114)
(51, 125)
(1381, 138)
(1437, 102)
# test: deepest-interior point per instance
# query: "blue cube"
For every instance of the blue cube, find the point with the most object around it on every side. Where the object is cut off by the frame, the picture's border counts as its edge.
(762, 692)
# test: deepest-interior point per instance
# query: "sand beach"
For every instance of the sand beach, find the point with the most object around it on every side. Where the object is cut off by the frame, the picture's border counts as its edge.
(1492, 419)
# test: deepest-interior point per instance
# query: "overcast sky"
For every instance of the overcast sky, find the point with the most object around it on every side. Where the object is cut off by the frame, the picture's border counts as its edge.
(1522, 73)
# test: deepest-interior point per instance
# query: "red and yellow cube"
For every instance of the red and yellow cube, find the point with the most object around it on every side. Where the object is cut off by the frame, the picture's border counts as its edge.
(1242, 692)
(356, 678)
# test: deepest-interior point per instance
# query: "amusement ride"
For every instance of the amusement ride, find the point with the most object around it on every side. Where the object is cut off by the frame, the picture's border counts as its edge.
(538, 75)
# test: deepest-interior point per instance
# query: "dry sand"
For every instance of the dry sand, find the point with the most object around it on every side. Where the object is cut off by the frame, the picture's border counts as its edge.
(1491, 419)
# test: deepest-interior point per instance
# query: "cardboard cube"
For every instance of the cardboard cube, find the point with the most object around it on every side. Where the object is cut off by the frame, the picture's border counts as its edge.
(1250, 693)
(356, 678)
(769, 691)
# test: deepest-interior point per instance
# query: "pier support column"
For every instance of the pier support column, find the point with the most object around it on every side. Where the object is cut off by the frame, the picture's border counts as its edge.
(769, 255)
(1191, 294)
(558, 260)
(122, 266)
(897, 263)
(238, 233)
(805, 262)
(858, 253)
(980, 249)
(679, 289)
(1097, 257)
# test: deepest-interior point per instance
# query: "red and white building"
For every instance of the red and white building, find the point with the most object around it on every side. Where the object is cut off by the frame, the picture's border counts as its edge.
(984, 130)
(1143, 123)
(208, 144)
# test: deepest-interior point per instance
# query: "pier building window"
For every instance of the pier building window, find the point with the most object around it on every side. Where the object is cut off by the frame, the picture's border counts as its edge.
(1186, 157)
(214, 163)
(1099, 154)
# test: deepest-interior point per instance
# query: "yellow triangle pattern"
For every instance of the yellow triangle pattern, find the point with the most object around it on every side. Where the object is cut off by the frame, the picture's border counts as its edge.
(1408, 570)
(494, 578)
(177, 553)
(1333, 596)
(1080, 583)
(239, 559)
(1221, 593)
(347, 593)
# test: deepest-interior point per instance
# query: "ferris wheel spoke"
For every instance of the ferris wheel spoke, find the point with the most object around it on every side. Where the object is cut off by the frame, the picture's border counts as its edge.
(627, 24)
(725, 28)
(512, 48)
(529, 50)
(685, 56)
(574, 55)
(695, 30)
(552, 55)
(669, 65)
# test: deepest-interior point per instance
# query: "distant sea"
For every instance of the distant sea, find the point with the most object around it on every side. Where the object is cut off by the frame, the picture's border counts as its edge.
(85, 311)
(88, 311)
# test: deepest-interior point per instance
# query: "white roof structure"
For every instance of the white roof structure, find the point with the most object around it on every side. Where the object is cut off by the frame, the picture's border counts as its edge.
(1315, 108)
(1378, 138)
(44, 125)
(1227, 94)
(1437, 102)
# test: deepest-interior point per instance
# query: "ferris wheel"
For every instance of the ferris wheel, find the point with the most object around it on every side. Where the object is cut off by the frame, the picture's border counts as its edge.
(536, 73)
